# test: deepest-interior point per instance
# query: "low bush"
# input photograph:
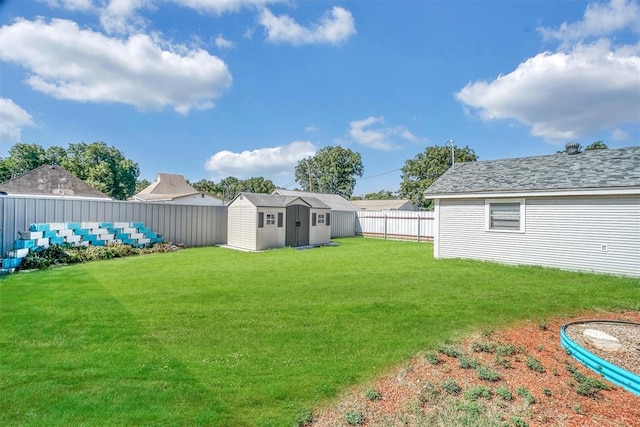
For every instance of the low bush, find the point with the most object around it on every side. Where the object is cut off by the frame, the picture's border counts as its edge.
(65, 254)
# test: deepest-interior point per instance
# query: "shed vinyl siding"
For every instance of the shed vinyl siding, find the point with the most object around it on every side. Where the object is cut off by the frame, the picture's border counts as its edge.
(319, 233)
(597, 234)
(270, 235)
(242, 219)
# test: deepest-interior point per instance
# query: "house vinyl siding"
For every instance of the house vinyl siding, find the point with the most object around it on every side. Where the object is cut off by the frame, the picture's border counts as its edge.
(597, 234)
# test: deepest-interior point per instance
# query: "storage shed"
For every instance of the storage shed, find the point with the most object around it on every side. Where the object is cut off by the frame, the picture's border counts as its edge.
(262, 221)
(575, 211)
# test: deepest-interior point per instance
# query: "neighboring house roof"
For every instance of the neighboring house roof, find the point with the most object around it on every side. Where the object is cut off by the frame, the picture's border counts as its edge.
(166, 187)
(280, 201)
(51, 180)
(335, 201)
(385, 205)
(598, 171)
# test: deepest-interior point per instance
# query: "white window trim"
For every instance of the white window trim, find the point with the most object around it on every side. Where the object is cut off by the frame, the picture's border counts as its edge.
(487, 215)
(320, 219)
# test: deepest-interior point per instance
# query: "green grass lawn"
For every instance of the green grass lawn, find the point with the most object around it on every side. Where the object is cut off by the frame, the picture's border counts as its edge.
(211, 336)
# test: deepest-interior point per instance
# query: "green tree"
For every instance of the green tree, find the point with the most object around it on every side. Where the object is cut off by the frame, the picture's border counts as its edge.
(380, 195)
(5, 171)
(141, 184)
(207, 186)
(103, 167)
(597, 145)
(258, 185)
(332, 170)
(24, 157)
(420, 172)
(56, 155)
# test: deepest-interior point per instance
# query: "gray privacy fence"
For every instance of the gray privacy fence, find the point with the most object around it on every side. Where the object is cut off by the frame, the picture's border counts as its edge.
(396, 225)
(191, 225)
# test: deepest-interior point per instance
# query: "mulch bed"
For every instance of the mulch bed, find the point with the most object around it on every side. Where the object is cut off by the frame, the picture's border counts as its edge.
(402, 399)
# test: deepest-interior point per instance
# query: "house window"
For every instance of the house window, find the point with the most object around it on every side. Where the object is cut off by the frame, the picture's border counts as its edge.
(505, 215)
(271, 219)
(320, 219)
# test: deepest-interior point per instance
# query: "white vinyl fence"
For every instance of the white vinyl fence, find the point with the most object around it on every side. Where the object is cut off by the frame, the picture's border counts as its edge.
(396, 225)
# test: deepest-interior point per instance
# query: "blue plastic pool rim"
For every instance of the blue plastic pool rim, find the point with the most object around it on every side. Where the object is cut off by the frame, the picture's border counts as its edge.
(615, 374)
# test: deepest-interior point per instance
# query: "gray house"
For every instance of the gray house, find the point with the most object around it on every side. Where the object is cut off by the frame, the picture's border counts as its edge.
(263, 221)
(575, 211)
(50, 181)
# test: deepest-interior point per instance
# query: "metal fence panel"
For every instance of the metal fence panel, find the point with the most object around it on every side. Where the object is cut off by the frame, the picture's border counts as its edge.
(343, 223)
(191, 225)
(396, 225)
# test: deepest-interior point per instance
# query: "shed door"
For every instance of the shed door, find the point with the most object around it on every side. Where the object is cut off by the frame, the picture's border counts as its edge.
(297, 233)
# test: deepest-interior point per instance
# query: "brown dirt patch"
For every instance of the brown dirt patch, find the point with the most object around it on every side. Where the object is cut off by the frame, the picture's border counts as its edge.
(411, 394)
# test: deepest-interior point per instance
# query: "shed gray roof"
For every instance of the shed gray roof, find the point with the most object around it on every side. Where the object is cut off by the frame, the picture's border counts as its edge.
(279, 201)
(335, 201)
(596, 169)
(51, 180)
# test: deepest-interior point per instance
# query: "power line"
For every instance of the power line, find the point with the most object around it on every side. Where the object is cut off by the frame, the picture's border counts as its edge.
(380, 174)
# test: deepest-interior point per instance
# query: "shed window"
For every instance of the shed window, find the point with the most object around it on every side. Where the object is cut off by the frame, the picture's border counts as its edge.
(271, 219)
(505, 215)
(320, 219)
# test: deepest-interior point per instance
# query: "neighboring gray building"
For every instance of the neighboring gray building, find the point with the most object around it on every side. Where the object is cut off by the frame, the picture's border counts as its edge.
(173, 188)
(572, 211)
(264, 221)
(335, 201)
(50, 181)
(385, 205)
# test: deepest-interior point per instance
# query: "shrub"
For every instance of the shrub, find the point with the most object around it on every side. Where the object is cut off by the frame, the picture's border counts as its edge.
(487, 374)
(526, 395)
(504, 393)
(467, 362)
(451, 387)
(477, 392)
(485, 347)
(508, 350)
(353, 417)
(587, 386)
(449, 351)
(372, 394)
(65, 254)
(433, 357)
(534, 364)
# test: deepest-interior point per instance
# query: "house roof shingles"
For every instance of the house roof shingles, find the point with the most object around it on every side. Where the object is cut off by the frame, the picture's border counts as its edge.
(51, 180)
(596, 169)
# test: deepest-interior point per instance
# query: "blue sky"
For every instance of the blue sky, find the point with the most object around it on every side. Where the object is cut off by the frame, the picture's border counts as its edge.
(212, 88)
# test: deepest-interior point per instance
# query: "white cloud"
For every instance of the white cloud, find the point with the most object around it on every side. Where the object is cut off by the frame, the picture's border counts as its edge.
(619, 135)
(599, 20)
(336, 26)
(261, 162)
(223, 43)
(67, 62)
(12, 120)
(311, 128)
(83, 5)
(581, 89)
(380, 137)
(223, 6)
